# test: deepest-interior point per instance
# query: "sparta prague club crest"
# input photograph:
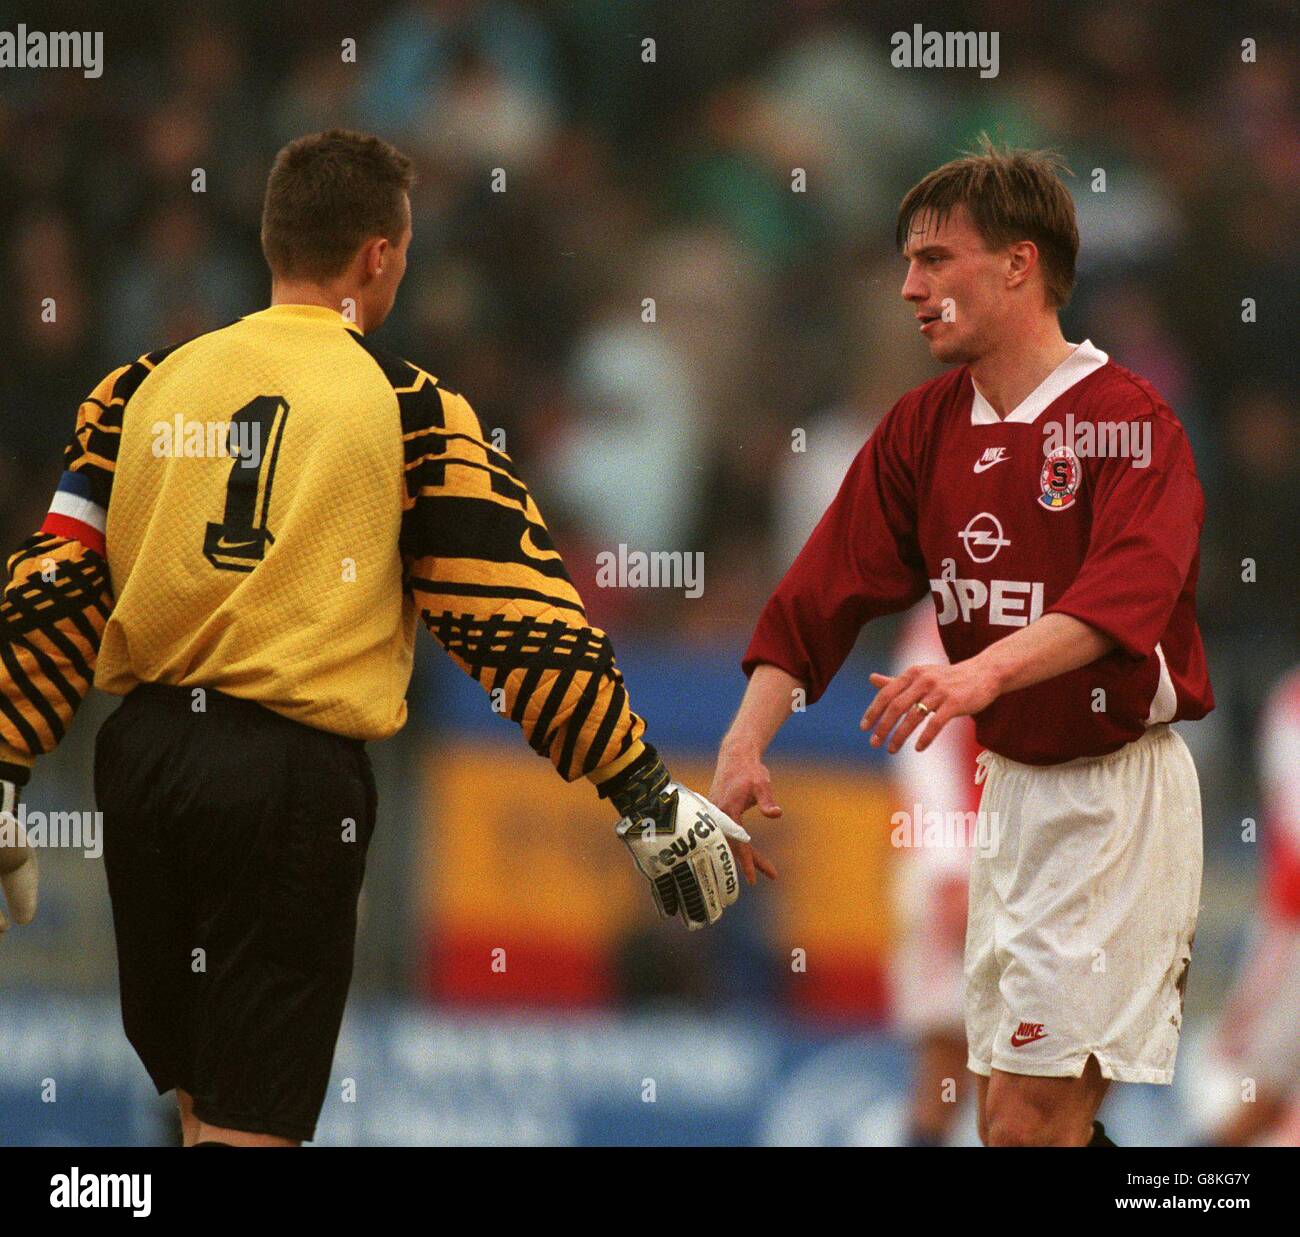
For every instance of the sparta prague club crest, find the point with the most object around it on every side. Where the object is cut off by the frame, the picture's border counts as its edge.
(1060, 479)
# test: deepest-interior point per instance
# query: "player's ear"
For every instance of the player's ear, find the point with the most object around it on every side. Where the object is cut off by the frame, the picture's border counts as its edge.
(1022, 257)
(375, 255)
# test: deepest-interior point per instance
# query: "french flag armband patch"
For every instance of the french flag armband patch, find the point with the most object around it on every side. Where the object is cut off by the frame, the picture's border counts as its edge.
(75, 515)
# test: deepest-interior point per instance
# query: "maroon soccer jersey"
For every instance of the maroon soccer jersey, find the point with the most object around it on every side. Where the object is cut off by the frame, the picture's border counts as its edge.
(1084, 500)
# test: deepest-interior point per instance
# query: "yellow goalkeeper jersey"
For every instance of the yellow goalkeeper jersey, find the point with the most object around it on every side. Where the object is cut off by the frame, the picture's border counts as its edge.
(265, 510)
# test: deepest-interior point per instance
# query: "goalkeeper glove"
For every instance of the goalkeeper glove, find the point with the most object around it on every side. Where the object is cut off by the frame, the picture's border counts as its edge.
(17, 859)
(678, 840)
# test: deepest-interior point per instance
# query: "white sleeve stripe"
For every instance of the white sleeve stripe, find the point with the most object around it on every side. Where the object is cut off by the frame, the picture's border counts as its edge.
(81, 509)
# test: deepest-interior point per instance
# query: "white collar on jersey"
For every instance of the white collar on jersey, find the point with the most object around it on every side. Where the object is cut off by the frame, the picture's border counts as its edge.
(1077, 366)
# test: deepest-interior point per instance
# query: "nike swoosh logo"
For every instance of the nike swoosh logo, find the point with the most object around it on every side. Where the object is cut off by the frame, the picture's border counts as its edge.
(1017, 1042)
(223, 544)
(528, 543)
(982, 466)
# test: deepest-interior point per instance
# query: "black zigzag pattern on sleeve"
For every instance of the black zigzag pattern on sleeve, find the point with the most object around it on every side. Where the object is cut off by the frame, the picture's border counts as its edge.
(455, 526)
(503, 645)
(38, 604)
(506, 644)
(102, 437)
(450, 526)
(419, 402)
(79, 588)
(461, 588)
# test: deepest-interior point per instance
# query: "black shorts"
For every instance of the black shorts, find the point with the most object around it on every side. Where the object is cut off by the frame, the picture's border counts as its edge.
(235, 843)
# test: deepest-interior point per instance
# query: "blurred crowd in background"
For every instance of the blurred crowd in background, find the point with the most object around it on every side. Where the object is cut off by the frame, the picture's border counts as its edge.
(632, 173)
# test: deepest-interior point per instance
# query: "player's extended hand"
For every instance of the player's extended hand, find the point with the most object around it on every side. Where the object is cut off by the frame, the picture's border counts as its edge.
(945, 692)
(683, 846)
(658, 818)
(741, 781)
(17, 862)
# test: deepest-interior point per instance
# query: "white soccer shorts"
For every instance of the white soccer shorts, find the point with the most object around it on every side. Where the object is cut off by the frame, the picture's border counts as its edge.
(1083, 912)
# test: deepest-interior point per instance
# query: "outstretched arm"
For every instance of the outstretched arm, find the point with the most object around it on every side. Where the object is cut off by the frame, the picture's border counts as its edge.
(860, 562)
(741, 779)
(1051, 645)
(494, 592)
(56, 599)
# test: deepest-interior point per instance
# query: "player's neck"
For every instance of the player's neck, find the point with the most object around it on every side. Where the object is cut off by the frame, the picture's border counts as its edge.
(1008, 373)
(302, 292)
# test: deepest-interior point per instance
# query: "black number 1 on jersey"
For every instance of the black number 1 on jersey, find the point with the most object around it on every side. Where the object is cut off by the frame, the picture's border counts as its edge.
(239, 542)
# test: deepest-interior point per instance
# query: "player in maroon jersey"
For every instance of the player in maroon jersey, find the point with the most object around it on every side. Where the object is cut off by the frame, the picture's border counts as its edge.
(1048, 500)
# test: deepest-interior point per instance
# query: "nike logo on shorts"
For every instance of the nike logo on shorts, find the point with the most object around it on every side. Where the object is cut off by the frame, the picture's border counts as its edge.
(1027, 1033)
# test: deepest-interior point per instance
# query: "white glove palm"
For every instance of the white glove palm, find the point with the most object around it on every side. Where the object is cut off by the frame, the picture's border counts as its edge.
(17, 862)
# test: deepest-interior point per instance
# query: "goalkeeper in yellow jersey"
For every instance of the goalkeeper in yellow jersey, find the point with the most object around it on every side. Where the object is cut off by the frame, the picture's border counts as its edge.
(248, 527)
